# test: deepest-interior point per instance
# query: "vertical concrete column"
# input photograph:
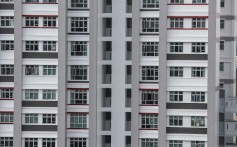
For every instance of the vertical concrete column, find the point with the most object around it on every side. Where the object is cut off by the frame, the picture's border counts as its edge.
(135, 72)
(62, 70)
(18, 73)
(213, 73)
(162, 72)
(93, 73)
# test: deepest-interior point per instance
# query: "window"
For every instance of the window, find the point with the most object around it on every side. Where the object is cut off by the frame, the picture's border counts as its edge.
(221, 85)
(149, 97)
(198, 121)
(78, 142)
(176, 71)
(78, 96)
(176, 96)
(198, 71)
(78, 120)
(176, 120)
(49, 118)
(198, 96)
(149, 73)
(176, 46)
(7, 21)
(7, 45)
(49, 1)
(79, 48)
(199, 1)
(150, 48)
(79, 72)
(49, 70)
(7, 69)
(153, 4)
(150, 25)
(6, 93)
(197, 144)
(222, 45)
(222, 24)
(31, 94)
(49, 94)
(176, 22)
(31, 70)
(198, 47)
(149, 142)
(79, 3)
(6, 117)
(149, 121)
(175, 143)
(199, 22)
(6, 1)
(79, 24)
(32, 46)
(222, 3)
(176, 1)
(221, 66)
(31, 142)
(32, 21)
(49, 45)
(48, 142)
(6, 141)
(49, 22)
(31, 118)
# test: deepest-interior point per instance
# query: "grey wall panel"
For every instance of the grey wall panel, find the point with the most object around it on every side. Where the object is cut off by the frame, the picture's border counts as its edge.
(39, 103)
(186, 106)
(222, 93)
(182, 130)
(221, 116)
(228, 81)
(39, 127)
(39, 55)
(6, 30)
(6, 6)
(6, 78)
(187, 57)
(221, 140)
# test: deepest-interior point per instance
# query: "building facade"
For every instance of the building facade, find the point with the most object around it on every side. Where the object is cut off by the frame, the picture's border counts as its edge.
(117, 73)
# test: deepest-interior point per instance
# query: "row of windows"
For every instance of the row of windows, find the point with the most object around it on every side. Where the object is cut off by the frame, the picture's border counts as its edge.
(7, 21)
(37, 1)
(193, 1)
(31, 118)
(45, 70)
(35, 21)
(195, 71)
(196, 96)
(196, 121)
(153, 142)
(196, 23)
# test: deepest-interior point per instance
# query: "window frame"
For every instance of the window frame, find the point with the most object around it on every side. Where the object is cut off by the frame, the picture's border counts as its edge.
(176, 71)
(198, 121)
(150, 49)
(149, 73)
(149, 25)
(78, 24)
(175, 120)
(6, 141)
(198, 96)
(149, 121)
(75, 70)
(78, 121)
(6, 117)
(176, 23)
(7, 21)
(7, 45)
(176, 47)
(149, 97)
(78, 97)
(176, 96)
(198, 72)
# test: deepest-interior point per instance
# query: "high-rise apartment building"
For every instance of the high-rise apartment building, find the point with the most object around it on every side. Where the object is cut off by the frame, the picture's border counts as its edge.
(118, 73)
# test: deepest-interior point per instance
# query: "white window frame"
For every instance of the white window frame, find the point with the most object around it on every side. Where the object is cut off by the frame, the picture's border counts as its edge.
(31, 46)
(78, 97)
(7, 70)
(28, 142)
(6, 117)
(176, 47)
(78, 120)
(198, 72)
(74, 142)
(79, 48)
(176, 22)
(176, 71)
(176, 1)
(7, 21)
(198, 121)
(149, 142)
(49, 46)
(79, 4)
(76, 69)
(6, 141)
(49, 142)
(75, 27)
(222, 24)
(31, 21)
(198, 47)
(50, 21)
(149, 97)
(6, 93)
(49, 70)
(31, 70)
(176, 96)
(222, 45)
(175, 143)
(6, 1)
(150, 49)
(175, 120)
(49, 119)
(150, 4)
(199, 22)
(50, 1)
(150, 73)
(198, 96)
(149, 121)
(199, 1)
(7, 45)
(31, 94)
(150, 25)
(222, 66)
(31, 118)
(49, 94)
